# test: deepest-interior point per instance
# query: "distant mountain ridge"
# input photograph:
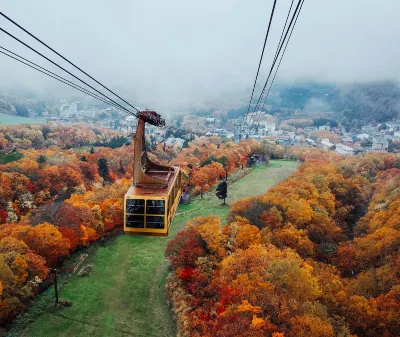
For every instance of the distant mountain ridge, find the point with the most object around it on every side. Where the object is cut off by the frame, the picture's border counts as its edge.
(353, 105)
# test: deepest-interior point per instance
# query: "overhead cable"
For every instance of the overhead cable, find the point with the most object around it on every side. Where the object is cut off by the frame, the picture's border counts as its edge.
(277, 54)
(284, 50)
(60, 78)
(65, 82)
(279, 43)
(64, 58)
(262, 54)
(33, 49)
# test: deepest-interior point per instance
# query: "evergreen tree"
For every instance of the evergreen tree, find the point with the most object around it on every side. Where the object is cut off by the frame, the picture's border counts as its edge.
(83, 158)
(92, 150)
(222, 190)
(41, 159)
(185, 144)
(104, 170)
(121, 168)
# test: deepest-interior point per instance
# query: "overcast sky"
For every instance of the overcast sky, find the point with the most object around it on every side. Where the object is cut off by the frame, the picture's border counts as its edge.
(177, 54)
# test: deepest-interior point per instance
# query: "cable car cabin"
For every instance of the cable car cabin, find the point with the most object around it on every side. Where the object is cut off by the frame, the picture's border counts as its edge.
(152, 211)
(150, 203)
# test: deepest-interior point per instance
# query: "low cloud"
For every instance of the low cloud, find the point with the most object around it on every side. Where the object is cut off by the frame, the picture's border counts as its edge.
(178, 55)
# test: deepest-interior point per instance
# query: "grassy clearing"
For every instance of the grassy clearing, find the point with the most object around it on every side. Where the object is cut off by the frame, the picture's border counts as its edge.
(9, 119)
(125, 294)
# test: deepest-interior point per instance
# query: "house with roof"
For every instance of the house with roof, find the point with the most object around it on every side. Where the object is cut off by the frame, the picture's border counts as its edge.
(348, 141)
(267, 126)
(344, 149)
(310, 141)
(326, 144)
(362, 136)
(220, 132)
(368, 129)
(174, 142)
(393, 126)
(380, 144)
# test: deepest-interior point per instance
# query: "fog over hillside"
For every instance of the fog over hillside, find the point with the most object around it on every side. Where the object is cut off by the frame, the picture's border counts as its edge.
(179, 55)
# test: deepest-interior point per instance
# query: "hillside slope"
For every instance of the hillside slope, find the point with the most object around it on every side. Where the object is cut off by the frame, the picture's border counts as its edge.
(125, 294)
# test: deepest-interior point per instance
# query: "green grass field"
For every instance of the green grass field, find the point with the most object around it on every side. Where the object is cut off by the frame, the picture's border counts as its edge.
(9, 119)
(125, 294)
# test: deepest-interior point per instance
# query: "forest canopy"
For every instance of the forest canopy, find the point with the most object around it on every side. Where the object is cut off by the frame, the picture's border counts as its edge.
(317, 255)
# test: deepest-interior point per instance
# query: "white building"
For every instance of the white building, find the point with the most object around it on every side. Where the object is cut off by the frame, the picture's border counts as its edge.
(362, 136)
(131, 124)
(252, 116)
(324, 127)
(73, 108)
(343, 149)
(380, 144)
(64, 107)
(269, 127)
(219, 132)
(393, 126)
(396, 134)
(368, 129)
(174, 142)
(310, 141)
(326, 144)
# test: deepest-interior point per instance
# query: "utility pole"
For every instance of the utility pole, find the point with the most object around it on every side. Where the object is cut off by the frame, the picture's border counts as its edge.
(55, 273)
(226, 172)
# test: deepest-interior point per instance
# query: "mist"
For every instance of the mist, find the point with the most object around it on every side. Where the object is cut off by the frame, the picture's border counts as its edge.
(178, 55)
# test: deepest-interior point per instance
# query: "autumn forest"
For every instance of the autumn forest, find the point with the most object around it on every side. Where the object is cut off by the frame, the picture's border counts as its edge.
(316, 255)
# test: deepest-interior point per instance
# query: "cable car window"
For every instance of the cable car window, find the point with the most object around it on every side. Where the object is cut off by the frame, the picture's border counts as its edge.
(135, 221)
(155, 207)
(135, 206)
(156, 222)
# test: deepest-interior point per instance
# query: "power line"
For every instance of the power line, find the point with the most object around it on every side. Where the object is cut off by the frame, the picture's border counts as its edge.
(284, 50)
(287, 18)
(33, 49)
(77, 87)
(37, 39)
(60, 78)
(261, 57)
(71, 85)
(280, 39)
(277, 54)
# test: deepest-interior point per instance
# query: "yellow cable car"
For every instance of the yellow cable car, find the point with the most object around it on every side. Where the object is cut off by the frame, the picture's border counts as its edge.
(151, 202)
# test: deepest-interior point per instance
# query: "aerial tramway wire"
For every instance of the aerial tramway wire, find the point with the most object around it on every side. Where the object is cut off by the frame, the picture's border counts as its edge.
(279, 48)
(261, 57)
(59, 78)
(64, 58)
(283, 30)
(277, 54)
(33, 49)
(77, 87)
(280, 39)
(284, 50)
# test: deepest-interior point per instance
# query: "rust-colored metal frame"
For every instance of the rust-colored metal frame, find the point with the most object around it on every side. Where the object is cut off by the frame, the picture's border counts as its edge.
(143, 165)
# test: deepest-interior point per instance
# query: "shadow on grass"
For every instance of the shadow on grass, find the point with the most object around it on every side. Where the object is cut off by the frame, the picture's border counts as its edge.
(89, 323)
